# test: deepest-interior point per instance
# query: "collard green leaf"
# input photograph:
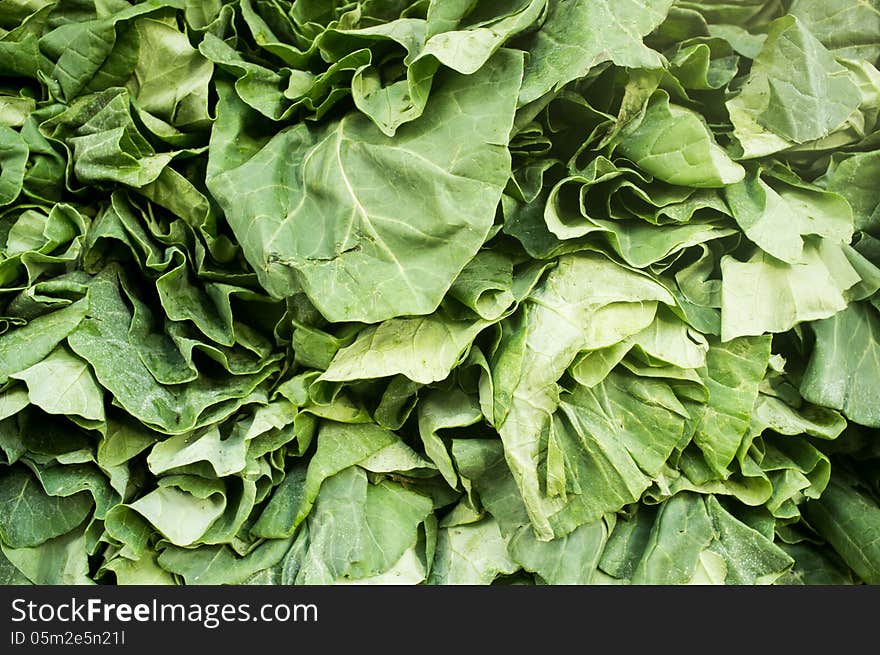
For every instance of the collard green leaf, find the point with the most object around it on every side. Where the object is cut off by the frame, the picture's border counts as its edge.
(438, 411)
(848, 519)
(144, 571)
(471, 554)
(486, 285)
(424, 349)
(674, 145)
(778, 221)
(27, 345)
(69, 477)
(847, 29)
(226, 456)
(842, 375)
(62, 383)
(709, 550)
(171, 79)
(62, 560)
(732, 376)
(122, 372)
(214, 565)
(853, 178)
(562, 318)
(29, 516)
(615, 438)
(466, 51)
(387, 236)
(259, 87)
(13, 158)
(339, 447)
(780, 100)
(571, 559)
(383, 521)
(765, 294)
(575, 37)
(814, 567)
(278, 518)
(9, 574)
(179, 515)
(104, 142)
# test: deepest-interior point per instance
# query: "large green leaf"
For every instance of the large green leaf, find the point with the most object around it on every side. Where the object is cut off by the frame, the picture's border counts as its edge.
(561, 318)
(848, 29)
(571, 559)
(694, 540)
(732, 376)
(28, 345)
(779, 105)
(424, 349)
(62, 560)
(778, 221)
(380, 524)
(121, 370)
(673, 144)
(764, 294)
(575, 37)
(853, 178)
(216, 565)
(383, 250)
(614, 440)
(29, 516)
(342, 446)
(62, 383)
(841, 374)
(13, 159)
(471, 554)
(849, 520)
(171, 80)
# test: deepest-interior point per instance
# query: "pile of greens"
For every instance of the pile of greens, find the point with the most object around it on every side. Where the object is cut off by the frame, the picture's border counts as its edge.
(439, 291)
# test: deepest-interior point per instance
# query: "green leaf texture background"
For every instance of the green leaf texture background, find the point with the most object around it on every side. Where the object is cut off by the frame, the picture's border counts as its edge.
(439, 292)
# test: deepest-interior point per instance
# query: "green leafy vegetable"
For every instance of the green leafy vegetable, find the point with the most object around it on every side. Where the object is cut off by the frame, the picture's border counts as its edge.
(439, 292)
